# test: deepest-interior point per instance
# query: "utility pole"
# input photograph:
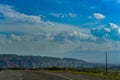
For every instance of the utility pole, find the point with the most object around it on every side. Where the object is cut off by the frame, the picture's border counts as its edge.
(106, 66)
(73, 64)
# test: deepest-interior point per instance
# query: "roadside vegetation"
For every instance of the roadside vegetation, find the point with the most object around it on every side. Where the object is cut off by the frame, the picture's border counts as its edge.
(97, 72)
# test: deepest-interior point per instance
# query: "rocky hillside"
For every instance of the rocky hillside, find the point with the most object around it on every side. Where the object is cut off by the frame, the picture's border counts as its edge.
(16, 61)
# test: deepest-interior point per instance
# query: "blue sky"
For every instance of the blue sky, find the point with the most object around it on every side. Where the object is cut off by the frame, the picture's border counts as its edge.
(61, 28)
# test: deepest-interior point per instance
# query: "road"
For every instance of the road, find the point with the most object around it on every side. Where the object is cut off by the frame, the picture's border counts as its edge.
(30, 75)
(43, 75)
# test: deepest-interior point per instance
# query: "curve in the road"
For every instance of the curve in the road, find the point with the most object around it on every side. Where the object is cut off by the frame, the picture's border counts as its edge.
(58, 75)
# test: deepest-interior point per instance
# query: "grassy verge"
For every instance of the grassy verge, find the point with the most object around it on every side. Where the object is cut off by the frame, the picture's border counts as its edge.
(114, 76)
(111, 75)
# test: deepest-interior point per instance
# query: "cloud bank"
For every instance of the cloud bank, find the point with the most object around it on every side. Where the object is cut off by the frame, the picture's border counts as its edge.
(111, 31)
(13, 15)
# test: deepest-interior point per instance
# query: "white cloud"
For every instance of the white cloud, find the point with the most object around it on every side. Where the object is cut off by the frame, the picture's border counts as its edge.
(12, 15)
(55, 14)
(80, 36)
(99, 16)
(58, 15)
(89, 17)
(14, 37)
(107, 29)
(48, 23)
(40, 38)
(64, 15)
(113, 26)
(72, 15)
(111, 31)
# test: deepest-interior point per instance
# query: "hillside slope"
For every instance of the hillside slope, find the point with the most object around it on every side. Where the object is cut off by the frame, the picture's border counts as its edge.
(15, 61)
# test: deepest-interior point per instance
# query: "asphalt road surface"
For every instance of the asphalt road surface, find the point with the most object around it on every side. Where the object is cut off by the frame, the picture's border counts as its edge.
(35, 75)
(30, 75)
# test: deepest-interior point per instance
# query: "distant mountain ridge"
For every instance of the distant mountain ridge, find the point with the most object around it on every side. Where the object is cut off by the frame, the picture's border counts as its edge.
(19, 61)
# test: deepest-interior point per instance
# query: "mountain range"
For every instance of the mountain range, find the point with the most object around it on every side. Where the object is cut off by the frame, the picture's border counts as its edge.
(28, 61)
(18, 61)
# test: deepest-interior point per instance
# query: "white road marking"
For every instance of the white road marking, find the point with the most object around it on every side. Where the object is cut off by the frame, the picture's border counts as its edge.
(58, 75)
